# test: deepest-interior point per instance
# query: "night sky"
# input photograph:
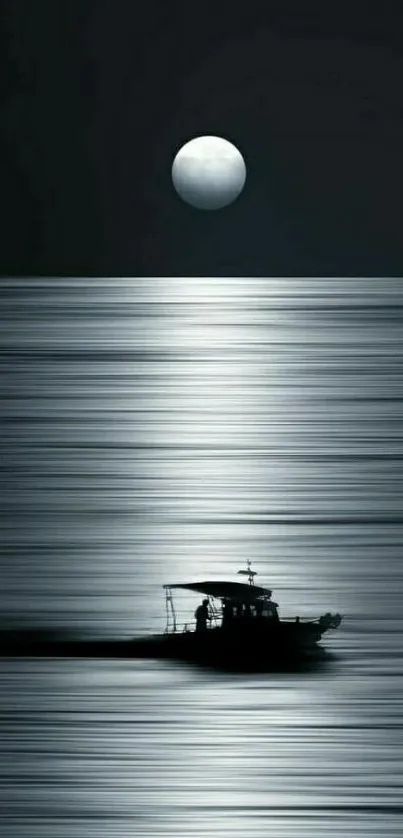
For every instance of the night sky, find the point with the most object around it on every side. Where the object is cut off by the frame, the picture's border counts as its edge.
(97, 97)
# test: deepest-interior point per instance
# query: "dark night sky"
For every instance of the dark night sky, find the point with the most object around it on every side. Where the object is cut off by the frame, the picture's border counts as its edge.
(96, 97)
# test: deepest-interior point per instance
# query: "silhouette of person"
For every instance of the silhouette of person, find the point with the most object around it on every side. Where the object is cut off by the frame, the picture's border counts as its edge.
(247, 613)
(202, 615)
(227, 612)
(259, 609)
(239, 610)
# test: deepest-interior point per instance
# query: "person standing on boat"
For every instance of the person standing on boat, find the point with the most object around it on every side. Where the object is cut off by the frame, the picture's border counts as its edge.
(227, 613)
(202, 615)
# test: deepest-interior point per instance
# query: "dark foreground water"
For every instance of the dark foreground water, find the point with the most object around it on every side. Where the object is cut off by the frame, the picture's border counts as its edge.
(166, 430)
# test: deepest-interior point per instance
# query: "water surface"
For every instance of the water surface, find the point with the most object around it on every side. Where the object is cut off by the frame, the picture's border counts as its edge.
(166, 430)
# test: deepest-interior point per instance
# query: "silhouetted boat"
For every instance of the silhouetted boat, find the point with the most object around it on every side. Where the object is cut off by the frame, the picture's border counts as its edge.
(243, 631)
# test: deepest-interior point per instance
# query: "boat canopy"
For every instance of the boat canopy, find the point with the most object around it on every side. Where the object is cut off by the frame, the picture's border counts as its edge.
(237, 591)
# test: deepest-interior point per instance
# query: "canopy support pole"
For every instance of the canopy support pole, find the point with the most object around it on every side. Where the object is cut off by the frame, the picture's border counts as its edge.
(213, 611)
(170, 609)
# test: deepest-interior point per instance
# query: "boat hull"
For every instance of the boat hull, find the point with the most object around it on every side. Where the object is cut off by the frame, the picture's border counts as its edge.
(253, 649)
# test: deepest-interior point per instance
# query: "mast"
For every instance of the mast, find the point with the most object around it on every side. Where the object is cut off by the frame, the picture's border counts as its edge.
(249, 572)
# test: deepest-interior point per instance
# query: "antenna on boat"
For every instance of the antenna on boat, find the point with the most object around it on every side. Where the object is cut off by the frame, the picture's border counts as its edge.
(249, 572)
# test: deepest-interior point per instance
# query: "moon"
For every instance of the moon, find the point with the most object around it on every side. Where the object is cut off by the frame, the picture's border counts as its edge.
(209, 173)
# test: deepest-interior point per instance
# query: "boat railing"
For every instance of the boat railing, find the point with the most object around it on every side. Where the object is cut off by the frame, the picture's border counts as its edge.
(173, 614)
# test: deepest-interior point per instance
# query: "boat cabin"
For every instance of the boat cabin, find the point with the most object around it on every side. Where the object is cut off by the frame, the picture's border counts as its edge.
(228, 604)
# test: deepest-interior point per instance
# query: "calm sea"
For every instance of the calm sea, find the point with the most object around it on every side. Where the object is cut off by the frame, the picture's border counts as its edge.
(166, 430)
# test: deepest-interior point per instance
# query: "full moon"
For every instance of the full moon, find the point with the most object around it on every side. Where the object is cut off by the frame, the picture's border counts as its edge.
(208, 173)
